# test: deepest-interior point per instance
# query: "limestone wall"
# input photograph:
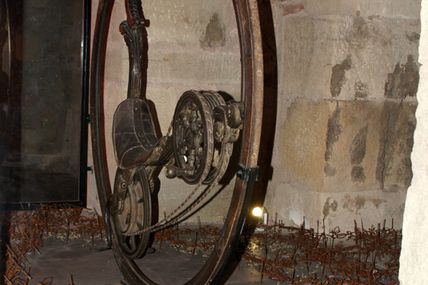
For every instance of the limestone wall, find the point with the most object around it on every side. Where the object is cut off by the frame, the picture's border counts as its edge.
(348, 76)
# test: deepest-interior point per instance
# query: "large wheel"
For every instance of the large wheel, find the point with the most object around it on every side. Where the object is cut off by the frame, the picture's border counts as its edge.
(225, 255)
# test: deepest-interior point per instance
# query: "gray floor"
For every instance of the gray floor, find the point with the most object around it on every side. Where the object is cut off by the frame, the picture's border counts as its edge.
(90, 265)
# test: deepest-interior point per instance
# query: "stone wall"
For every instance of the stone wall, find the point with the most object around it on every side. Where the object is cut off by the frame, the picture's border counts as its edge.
(348, 76)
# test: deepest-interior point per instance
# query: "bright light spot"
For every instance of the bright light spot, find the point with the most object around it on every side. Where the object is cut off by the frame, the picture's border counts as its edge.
(257, 212)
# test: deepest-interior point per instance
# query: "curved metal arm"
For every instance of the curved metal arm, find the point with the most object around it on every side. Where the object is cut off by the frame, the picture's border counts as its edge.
(135, 35)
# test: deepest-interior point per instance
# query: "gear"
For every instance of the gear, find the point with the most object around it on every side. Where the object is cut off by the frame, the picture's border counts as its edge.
(131, 210)
(222, 150)
(193, 139)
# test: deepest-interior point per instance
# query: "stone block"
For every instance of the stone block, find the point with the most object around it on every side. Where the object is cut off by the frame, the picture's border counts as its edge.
(351, 152)
(389, 8)
(394, 166)
(368, 207)
(294, 205)
(346, 146)
(174, 68)
(301, 143)
(192, 24)
(346, 57)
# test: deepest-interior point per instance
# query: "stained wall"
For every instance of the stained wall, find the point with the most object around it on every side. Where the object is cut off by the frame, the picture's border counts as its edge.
(348, 76)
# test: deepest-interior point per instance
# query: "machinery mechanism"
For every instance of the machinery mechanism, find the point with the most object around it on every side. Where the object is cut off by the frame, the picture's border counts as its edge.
(197, 150)
(197, 147)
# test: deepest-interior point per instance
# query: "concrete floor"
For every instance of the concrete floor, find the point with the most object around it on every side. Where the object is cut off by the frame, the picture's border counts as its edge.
(91, 265)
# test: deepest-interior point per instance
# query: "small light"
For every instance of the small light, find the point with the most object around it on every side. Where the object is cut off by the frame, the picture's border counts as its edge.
(257, 212)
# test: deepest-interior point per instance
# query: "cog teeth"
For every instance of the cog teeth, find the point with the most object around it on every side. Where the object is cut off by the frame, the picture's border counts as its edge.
(198, 133)
(193, 162)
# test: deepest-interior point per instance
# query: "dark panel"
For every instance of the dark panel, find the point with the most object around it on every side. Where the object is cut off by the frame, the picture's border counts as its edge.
(43, 100)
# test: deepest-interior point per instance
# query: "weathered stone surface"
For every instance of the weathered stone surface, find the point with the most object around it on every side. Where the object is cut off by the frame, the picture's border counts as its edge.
(293, 205)
(341, 149)
(403, 81)
(354, 154)
(389, 8)
(185, 23)
(214, 35)
(360, 55)
(347, 145)
(393, 170)
(348, 56)
(369, 207)
(301, 141)
(338, 76)
(174, 68)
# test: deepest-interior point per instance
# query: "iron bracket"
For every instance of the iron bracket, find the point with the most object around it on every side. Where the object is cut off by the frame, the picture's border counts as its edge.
(248, 174)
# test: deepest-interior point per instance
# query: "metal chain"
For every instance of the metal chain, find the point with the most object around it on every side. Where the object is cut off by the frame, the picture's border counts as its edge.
(174, 217)
(203, 197)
